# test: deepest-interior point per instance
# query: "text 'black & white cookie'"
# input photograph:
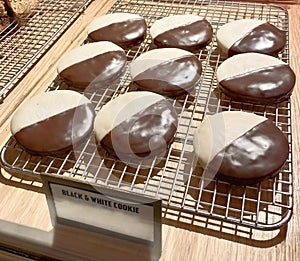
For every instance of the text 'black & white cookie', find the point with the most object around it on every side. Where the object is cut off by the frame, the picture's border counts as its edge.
(240, 147)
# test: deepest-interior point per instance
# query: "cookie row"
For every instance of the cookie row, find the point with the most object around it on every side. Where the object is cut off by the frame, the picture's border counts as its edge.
(174, 71)
(238, 147)
(189, 32)
(250, 77)
(167, 71)
(134, 125)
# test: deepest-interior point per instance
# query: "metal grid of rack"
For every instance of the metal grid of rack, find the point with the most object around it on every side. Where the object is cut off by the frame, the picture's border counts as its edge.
(29, 37)
(175, 176)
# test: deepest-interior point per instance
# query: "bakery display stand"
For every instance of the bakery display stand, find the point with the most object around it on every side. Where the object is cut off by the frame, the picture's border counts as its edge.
(171, 183)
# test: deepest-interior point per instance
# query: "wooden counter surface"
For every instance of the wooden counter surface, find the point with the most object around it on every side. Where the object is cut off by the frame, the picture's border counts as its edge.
(210, 240)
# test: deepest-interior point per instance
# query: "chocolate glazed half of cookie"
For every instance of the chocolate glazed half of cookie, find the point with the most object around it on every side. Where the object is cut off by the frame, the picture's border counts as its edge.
(190, 37)
(167, 71)
(143, 126)
(250, 87)
(253, 157)
(97, 63)
(265, 38)
(240, 147)
(58, 134)
(150, 130)
(188, 32)
(53, 122)
(178, 77)
(102, 68)
(124, 29)
(250, 35)
(124, 37)
(256, 78)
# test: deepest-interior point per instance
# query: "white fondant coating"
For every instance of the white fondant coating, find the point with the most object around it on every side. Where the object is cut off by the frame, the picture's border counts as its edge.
(243, 63)
(44, 106)
(219, 130)
(155, 57)
(121, 109)
(109, 19)
(171, 22)
(231, 32)
(86, 52)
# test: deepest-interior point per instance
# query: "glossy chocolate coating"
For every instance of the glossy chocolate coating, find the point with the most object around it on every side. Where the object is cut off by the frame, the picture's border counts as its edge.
(125, 34)
(171, 78)
(57, 134)
(265, 38)
(149, 130)
(103, 68)
(256, 155)
(267, 85)
(190, 37)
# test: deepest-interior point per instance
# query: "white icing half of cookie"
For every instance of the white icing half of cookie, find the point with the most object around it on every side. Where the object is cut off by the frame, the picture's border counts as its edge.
(121, 109)
(109, 19)
(155, 57)
(44, 106)
(231, 32)
(171, 22)
(86, 52)
(219, 130)
(243, 63)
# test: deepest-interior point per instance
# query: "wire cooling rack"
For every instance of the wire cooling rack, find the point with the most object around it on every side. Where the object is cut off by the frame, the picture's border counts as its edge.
(28, 38)
(175, 177)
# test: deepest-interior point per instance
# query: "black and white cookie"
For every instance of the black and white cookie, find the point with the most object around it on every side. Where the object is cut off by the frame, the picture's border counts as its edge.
(189, 32)
(136, 125)
(99, 62)
(124, 29)
(250, 35)
(167, 71)
(256, 78)
(239, 147)
(52, 123)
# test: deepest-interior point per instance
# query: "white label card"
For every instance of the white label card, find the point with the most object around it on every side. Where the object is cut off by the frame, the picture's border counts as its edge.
(102, 210)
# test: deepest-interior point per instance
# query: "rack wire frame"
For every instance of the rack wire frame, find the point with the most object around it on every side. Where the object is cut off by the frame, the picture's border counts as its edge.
(175, 176)
(27, 38)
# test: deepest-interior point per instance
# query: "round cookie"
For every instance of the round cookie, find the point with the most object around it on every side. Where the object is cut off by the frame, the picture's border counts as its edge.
(256, 78)
(189, 32)
(124, 29)
(51, 123)
(250, 35)
(167, 71)
(99, 62)
(136, 125)
(239, 147)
